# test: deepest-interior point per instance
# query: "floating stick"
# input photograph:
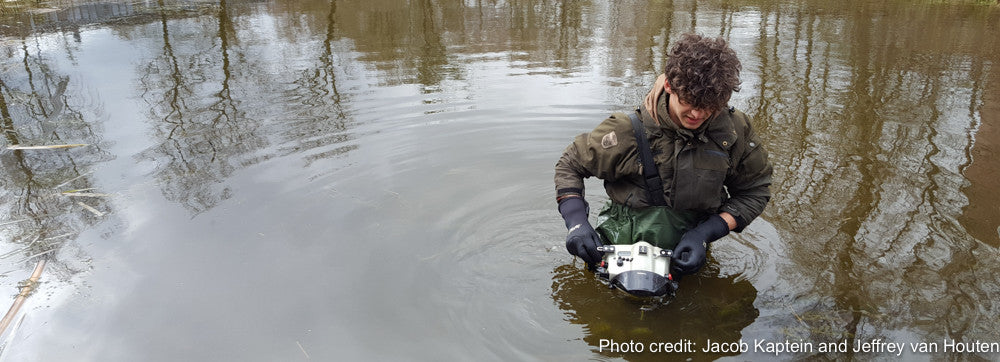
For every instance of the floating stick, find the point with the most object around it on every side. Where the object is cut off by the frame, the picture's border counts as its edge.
(26, 290)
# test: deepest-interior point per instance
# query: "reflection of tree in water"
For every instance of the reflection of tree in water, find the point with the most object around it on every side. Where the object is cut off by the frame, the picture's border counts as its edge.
(432, 57)
(707, 306)
(557, 35)
(203, 142)
(405, 41)
(417, 43)
(410, 45)
(320, 118)
(982, 216)
(644, 29)
(869, 139)
(40, 107)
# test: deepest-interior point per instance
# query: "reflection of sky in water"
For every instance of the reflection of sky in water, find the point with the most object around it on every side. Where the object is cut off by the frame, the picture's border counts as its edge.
(386, 180)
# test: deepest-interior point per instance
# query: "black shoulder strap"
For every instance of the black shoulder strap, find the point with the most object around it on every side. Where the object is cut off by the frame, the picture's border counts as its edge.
(649, 171)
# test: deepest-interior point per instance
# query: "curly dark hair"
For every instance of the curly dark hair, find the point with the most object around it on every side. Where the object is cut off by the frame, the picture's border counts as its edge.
(703, 72)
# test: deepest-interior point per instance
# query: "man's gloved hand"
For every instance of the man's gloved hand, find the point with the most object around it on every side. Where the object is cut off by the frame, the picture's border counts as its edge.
(689, 254)
(582, 240)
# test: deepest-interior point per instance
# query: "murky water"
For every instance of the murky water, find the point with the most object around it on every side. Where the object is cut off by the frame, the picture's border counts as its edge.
(282, 180)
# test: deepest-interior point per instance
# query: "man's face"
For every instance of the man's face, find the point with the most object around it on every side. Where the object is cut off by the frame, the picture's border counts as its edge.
(683, 114)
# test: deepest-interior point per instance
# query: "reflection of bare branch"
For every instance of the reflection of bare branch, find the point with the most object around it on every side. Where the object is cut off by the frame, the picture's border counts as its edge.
(433, 57)
(6, 121)
(329, 72)
(326, 120)
(177, 87)
(200, 142)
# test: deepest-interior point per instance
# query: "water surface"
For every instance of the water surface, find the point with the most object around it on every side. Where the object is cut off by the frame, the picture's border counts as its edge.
(286, 180)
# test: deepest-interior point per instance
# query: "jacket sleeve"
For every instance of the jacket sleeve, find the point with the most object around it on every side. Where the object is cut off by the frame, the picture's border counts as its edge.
(607, 152)
(749, 182)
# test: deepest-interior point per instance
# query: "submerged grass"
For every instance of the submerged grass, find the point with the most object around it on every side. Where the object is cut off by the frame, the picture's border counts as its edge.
(13, 222)
(83, 194)
(90, 208)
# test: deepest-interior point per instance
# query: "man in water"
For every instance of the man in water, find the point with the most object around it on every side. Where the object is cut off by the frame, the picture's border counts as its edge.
(712, 173)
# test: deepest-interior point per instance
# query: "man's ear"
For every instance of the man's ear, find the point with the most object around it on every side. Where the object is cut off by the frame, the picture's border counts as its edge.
(666, 87)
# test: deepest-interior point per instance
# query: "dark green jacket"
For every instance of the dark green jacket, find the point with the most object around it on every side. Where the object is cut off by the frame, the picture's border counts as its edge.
(721, 166)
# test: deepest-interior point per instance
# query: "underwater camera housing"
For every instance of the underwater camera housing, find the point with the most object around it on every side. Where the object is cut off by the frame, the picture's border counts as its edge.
(640, 269)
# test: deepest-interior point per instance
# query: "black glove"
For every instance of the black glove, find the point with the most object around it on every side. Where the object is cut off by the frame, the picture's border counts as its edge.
(582, 240)
(689, 254)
